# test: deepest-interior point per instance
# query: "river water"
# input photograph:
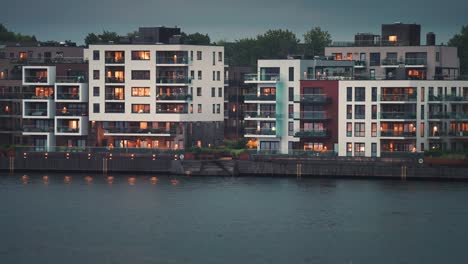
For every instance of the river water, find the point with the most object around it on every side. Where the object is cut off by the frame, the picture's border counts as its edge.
(141, 219)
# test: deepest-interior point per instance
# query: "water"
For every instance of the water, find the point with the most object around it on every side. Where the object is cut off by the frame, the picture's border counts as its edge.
(230, 220)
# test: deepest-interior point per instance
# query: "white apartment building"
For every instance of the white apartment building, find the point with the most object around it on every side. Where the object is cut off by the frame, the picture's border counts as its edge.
(156, 96)
(385, 118)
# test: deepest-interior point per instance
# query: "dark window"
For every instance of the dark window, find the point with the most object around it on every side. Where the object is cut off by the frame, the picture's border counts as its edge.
(220, 92)
(140, 75)
(199, 75)
(360, 94)
(374, 94)
(96, 74)
(115, 108)
(199, 55)
(374, 112)
(374, 59)
(374, 149)
(95, 91)
(291, 74)
(422, 112)
(291, 94)
(349, 129)
(220, 56)
(349, 112)
(213, 92)
(95, 54)
(373, 129)
(198, 91)
(359, 129)
(359, 112)
(349, 94)
(218, 76)
(214, 63)
(96, 108)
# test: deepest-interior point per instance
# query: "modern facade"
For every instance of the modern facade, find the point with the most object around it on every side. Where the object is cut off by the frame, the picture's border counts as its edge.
(387, 118)
(398, 55)
(156, 96)
(287, 108)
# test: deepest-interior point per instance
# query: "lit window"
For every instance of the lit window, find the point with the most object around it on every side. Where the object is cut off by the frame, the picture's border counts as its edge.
(392, 38)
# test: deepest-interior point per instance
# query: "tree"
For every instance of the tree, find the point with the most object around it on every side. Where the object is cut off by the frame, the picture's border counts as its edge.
(461, 42)
(9, 36)
(277, 44)
(195, 39)
(315, 41)
(105, 37)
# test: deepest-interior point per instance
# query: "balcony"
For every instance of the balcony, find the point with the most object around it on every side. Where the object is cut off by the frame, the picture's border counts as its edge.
(70, 79)
(311, 115)
(262, 78)
(336, 76)
(398, 97)
(114, 57)
(71, 112)
(448, 115)
(45, 60)
(182, 80)
(391, 62)
(33, 75)
(269, 132)
(317, 133)
(261, 115)
(115, 79)
(37, 129)
(261, 97)
(457, 133)
(172, 60)
(451, 98)
(71, 126)
(312, 98)
(415, 62)
(38, 112)
(393, 133)
(171, 108)
(112, 131)
(397, 115)
(360, 64)
(173, 97)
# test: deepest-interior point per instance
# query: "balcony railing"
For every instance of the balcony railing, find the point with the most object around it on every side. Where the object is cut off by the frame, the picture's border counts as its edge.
(65, 129)
(391, 62)
(448, 115)
(415, 61)
(112, 96)
(113, 60)
(338, 76)
(35, 79)
(397, 115)
(115, 80)
(262, 77)
(173, 97)
(71, 112)
(320, 133)
(393, 133)
(70, 79)
(262, 114)
(458, 133)
(261, 131)
(312, 98)
(35, 96)
(68, 96)
(311, 115)
(261, 97)
(36, 112)
(182, 80)
(171, 111)
(398, 97)
(360, 63)
(33, 128)
(455, 98)
(43, 60)
(137, 130)
(172, 60)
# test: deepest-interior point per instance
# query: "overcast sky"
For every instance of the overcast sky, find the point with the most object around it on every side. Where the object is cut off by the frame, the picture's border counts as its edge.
(230, 20)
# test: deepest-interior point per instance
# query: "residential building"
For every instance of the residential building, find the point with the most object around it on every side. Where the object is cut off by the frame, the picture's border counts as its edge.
(398, 55)
(289, 106)
(396, 118)
(156, 96)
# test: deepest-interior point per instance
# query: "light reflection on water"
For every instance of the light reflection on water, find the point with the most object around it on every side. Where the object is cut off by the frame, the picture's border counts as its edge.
(166, 219)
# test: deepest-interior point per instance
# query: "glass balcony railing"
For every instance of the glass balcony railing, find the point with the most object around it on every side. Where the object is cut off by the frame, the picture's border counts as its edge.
(70, 79)
(312, 98)
(397, 115)
(311, 115)
(391, 62)
(137, 130)
(173, 97)
(71, 112)
(448, 115)
(415, 61)
(115, 60)
(261, 131)
(455, 98)
(68, 96)
(311, 133)
(34, 128)
(398, 97)
(172, 60)
(66, 129)
(261, 97)
(177, 80)
(393, 133)
(171, 111)
(115, 80)
(36, 112)
(360, 63)
(35, 79)
(262, 114)
(458, 133)
(262, 77)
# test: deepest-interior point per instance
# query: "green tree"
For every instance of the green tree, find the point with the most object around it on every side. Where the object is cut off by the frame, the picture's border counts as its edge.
(9, 36)
(277, 44)
(105, 37)
(315, 41)
(461, 42)
(195, 39)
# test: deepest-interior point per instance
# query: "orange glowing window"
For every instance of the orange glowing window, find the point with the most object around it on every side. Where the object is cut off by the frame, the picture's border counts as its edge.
(349, 56)
(392, 38)
(22, 55)
(338, 56)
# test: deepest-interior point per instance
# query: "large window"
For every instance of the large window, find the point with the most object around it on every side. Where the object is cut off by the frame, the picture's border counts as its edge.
(349, 94)
(141, 55)
(96, 75)
(220, 92)
(199, 92)
(140, 91)
(374, 59)
(220, 56)
(96, 91)
(359, 149)
(140, 75)
(213, 92)
(115, 93)
(360, 94)
(95, 54)
(374, 94)
(359, 112)
(141, 108)
(291, 74)
(359, 129)
(115, 108)
(96, 109)
(199, 55)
